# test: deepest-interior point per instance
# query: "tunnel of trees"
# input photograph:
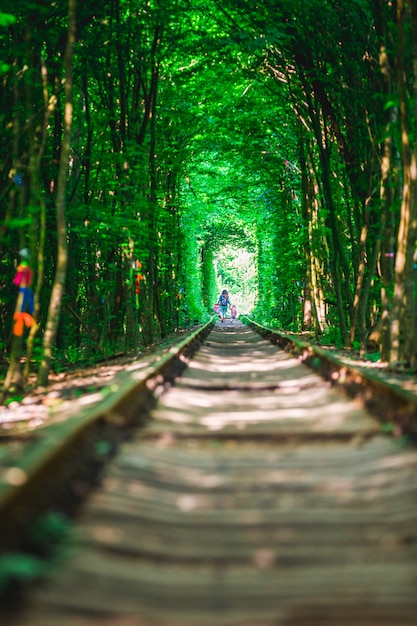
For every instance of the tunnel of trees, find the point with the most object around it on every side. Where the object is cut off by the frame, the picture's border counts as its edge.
(156, 151)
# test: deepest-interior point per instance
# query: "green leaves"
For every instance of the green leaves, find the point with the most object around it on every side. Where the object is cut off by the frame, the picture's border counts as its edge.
(17, 223)
(6, 19)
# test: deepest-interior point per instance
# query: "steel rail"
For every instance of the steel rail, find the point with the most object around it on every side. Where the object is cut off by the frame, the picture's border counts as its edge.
(59, 465)
(393, 405)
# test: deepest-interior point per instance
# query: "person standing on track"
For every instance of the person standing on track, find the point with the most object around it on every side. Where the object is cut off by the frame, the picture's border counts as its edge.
(224, 303)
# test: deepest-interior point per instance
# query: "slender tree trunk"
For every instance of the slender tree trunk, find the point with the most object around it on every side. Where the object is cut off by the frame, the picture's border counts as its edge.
(309, 201)
(14, 375)
(411, 345)
(338, 263)
(388, 187)
(34, 182)
(367, 258)
(150, 311)
(359, 283)
(62, 256)
(18, 200)
(309, 314)
(317, 241)
(403, 333)
(36, 199)
(153, 198)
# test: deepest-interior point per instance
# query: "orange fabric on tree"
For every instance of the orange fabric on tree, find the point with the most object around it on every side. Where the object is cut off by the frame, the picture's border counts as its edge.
(22, 320)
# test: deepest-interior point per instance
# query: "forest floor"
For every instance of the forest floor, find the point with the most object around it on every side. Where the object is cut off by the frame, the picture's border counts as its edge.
(79, 381)
(70, 384)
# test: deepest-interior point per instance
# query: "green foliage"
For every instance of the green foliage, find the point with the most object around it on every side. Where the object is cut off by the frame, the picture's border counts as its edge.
(209, 285)
(49, 531)
(103, 448)
(19, 568)
(191, 299)
(332, 337)
(48, 538)
(6, 19)
(234, 146)
(14, 398)
(374, 357)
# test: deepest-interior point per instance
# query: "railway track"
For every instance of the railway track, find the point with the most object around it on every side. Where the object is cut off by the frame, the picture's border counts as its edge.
(251, 492)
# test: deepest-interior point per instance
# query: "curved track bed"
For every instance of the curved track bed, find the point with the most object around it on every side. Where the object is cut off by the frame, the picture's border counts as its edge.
(255, 495)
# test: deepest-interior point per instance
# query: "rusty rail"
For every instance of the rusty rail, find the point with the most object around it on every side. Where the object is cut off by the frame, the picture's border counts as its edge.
(77, 446)
(394, 406)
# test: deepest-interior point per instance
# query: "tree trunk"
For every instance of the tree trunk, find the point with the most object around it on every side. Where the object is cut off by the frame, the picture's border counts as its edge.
(403, 332)
(62, 256)
(36, 199)
(388, 188)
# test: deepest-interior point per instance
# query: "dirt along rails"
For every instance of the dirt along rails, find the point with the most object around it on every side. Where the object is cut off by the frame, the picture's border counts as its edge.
(255, 495)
